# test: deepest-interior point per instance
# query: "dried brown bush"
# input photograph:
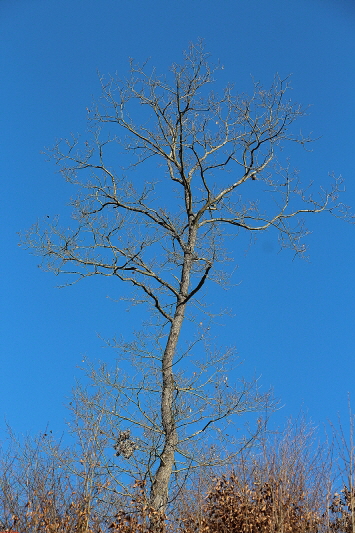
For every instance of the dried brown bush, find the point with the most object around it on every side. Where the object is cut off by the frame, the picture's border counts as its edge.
(342, 512)
(282, 489)
(234, 506)
(37, 495)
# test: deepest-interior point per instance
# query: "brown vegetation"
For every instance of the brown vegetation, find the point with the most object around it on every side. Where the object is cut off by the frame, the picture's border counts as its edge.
(286, 485)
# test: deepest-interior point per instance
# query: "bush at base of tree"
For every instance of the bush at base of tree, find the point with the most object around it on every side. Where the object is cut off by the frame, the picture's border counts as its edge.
(284, 486)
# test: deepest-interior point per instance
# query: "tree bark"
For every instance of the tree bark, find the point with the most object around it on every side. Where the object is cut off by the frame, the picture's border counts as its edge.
(159, 490)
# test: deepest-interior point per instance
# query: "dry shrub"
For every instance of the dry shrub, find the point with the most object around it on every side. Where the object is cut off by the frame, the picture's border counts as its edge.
(234, 506)
(140, 522)
(46, 517)
(342, 512)
(47, 513)
(281, 489)
(37, 495)
(141, 518)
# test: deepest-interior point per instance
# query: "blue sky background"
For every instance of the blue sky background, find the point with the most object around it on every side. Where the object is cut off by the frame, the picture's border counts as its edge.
(293, 323)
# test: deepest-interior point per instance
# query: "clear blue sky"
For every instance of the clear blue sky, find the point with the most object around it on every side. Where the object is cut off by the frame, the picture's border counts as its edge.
(294, 321)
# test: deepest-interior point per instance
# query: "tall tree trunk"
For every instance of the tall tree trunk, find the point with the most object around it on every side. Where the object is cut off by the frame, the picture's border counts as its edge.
(159, 490)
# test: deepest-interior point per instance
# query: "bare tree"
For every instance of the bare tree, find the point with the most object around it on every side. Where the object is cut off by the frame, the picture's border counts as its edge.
(156, 210)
